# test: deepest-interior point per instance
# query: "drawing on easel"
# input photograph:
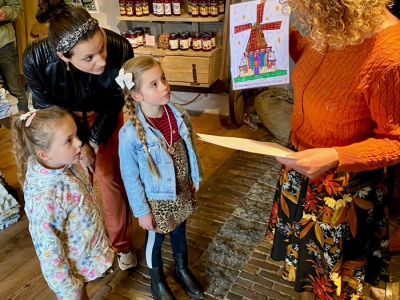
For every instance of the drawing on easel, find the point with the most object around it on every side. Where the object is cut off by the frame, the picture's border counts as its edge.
(259, 44)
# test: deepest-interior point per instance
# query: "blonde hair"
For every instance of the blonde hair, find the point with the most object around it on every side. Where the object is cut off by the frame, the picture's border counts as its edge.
(338, 23)
(137, 66)
(38, 135)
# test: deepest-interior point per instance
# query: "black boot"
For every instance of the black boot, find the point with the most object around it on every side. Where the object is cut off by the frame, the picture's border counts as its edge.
(159, 286)
(184, 276)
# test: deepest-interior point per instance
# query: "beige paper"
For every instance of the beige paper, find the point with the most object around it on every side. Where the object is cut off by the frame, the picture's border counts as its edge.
(266, 148)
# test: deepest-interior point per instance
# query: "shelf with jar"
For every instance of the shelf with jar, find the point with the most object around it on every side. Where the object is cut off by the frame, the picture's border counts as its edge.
(186, 63)
(184, 17)
(186, 67)
(175, 10)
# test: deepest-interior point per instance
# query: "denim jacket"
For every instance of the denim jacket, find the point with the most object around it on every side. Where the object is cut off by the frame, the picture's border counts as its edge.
(140, 184)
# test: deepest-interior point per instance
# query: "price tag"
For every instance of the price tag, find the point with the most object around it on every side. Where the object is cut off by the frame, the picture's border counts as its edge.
(150, 40)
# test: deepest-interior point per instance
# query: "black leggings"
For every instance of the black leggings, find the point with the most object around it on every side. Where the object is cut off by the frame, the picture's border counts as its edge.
(155, 240)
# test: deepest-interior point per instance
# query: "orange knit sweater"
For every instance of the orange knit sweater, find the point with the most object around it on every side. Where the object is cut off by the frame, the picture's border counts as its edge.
(349, 99)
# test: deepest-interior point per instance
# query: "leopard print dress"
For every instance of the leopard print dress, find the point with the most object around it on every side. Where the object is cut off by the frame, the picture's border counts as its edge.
(168, 214)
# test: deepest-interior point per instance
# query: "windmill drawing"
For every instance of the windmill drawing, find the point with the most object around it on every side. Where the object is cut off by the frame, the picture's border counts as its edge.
(256, 58)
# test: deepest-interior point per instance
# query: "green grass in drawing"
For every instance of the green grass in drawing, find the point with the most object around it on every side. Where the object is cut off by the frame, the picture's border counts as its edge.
(262, 75)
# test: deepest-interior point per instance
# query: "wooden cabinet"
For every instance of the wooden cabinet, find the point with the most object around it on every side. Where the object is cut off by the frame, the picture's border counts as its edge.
(183, 67)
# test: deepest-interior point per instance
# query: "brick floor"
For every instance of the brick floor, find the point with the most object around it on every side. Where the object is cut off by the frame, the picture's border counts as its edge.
(258, 277)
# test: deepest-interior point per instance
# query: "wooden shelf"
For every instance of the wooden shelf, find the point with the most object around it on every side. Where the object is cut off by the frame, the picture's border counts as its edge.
(184, 17)
(154, 51)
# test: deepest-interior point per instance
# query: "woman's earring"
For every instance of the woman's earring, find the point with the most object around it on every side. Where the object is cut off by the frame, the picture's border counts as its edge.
(68, 69)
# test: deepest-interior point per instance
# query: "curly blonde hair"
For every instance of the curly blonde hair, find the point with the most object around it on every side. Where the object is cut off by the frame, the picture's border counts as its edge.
(38, 135)
(338, 23)
(137, 66)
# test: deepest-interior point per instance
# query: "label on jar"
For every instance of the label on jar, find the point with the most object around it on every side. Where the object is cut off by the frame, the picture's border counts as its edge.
(133, 42)
(196, 44)
(206, 44)
(140, 40)
(184, 43)
(122, 10)
(167, 9)
(176, 8)
(174, 44)
(204, 10)
(213, 42)
(158, 8)
(214, 9)
(138, 9)
(129, 10)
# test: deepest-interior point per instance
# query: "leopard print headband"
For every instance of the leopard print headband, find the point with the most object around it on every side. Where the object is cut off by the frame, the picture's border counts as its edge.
(70, 40)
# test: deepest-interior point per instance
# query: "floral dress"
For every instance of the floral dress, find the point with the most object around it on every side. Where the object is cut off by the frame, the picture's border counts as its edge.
(67, 227)
(332, 232)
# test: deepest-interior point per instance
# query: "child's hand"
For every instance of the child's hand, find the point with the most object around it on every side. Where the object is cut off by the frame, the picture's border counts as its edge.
(193, 188)
(88, 159)
(147, 222)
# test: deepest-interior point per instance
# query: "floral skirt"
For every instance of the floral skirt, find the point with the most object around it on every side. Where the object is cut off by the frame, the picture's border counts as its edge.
(332, 232)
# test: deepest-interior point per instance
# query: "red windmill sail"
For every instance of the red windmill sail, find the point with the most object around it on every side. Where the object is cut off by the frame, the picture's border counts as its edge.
(257, 39)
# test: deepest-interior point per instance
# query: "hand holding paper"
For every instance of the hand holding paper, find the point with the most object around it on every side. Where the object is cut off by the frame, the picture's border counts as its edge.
(266, 148)
(312, 162)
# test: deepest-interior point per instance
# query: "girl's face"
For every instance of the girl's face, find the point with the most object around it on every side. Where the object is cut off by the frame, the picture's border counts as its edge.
(65, 148)
(89, 56)
(154, 90)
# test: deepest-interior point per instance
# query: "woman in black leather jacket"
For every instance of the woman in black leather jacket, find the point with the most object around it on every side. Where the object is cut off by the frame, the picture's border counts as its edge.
(75, 67)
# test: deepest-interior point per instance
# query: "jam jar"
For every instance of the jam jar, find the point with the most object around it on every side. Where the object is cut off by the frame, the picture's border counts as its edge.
(189, 37)
(196, 42)
(212, 34)
(140, 37)
(176, 7)
(122, 8)
(158, 8)
(203, 7)
(130, 8)
(167, 8)
(221, 6)
(213, 8)
(138, 8)
(184, 41)
(174, 41)
(145, 7)
(206, 41)
(195, 8)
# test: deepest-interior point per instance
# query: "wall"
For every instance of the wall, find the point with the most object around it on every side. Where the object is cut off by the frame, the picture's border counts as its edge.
(108, 10)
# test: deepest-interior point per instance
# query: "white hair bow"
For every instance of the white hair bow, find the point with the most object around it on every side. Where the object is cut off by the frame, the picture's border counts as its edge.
(124, 79)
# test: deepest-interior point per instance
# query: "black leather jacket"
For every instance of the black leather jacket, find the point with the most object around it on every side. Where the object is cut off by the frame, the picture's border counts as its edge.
(51, 84)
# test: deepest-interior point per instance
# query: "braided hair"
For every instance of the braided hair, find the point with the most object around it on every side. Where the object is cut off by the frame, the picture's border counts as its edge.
(137, 66)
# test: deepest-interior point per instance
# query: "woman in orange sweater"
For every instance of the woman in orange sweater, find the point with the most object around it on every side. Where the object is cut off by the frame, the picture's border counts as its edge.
(329, 220)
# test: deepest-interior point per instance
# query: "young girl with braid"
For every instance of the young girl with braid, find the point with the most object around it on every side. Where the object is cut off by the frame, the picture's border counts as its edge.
(160, 169)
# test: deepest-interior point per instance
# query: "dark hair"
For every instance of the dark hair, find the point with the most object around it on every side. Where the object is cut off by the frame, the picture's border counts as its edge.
(63, 20)
(47, 7)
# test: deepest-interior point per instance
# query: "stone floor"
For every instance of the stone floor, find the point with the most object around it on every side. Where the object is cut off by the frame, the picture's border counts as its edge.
(227, 249)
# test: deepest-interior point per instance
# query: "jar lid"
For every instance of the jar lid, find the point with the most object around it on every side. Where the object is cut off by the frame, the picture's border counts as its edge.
(184, 35)
(174, 35)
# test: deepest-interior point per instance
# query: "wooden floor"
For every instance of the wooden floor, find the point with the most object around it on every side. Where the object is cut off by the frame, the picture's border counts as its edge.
(21, 277)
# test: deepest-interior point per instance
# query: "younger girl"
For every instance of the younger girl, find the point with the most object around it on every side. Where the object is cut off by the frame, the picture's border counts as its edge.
(65, 221)
(160, 169)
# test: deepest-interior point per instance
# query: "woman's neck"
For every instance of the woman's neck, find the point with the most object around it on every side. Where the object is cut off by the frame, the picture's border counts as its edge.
(388, 20)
